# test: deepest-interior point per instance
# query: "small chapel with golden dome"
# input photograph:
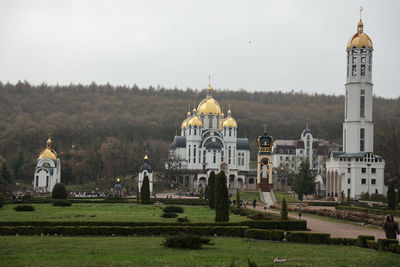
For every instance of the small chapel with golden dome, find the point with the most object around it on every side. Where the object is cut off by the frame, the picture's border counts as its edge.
(48, 170)
(209, 142)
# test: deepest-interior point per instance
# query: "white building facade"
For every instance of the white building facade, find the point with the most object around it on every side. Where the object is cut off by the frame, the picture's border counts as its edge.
(356, 169)
(47, 171)
(209, 142)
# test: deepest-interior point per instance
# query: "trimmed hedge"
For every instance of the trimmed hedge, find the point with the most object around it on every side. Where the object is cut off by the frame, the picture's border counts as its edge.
(362, 240)
(344, 241)
(169, 215)
(62, 203)
(395, 248)
(383, 244)
(175, 209)
(301, 237)
(115, 199)
(322, 204)
(24, 208)
(369, 210)
(185, 241)
(183, 219)
(236, 231)
(273, 224)
(276, 235)
(372, 244)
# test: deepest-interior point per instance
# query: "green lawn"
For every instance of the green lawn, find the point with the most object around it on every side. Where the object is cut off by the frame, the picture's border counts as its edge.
(107, 212)
(289, 199)
(147, 251)
(249, 196)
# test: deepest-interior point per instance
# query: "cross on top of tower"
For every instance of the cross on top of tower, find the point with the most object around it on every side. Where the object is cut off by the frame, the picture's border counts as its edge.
(265, 127)
(361, 10)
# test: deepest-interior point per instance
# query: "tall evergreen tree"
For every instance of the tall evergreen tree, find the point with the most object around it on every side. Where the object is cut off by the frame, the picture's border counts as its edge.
(304, 183)
(221, 198)
(391, 196)
(237, 201)
(145, 191)
(284, 211)
(137, 195)
(211, 191)
(5, 175)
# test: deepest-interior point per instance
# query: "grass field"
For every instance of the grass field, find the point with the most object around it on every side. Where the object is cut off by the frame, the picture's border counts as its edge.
(107, 212)
(289, 199)
(147, 251)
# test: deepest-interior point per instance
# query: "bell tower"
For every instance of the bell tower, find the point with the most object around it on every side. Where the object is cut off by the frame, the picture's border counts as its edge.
(264, 161)
(358, 129)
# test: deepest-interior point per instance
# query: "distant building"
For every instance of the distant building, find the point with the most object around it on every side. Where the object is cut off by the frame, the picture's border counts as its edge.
(356, 169)
(48, 170)
(209, 142)
(288, 154)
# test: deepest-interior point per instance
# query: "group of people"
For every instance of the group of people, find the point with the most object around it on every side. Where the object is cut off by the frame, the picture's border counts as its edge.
(391, 228)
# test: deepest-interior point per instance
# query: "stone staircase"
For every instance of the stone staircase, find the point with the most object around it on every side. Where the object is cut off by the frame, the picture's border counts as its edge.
(268, 197)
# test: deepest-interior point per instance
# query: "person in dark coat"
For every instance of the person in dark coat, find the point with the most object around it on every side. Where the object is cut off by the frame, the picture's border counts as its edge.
(254, 203)
(390, 227)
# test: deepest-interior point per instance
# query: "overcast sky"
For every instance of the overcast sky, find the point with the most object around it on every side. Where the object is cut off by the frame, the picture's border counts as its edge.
(252, 45)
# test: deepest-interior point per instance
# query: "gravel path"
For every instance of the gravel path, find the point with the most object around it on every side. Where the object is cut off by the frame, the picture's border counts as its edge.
(336, 229)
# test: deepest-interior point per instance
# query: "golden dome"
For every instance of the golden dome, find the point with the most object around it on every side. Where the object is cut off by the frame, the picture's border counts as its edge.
(48, 152)
(209, 105)
(209, 88)
(194, 121)
(229, 122)
(118, 180)
(146, 157)
(360, 39)
(184, 123)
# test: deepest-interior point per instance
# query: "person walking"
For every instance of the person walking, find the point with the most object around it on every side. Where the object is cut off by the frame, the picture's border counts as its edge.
(390, 227)
(254, 203)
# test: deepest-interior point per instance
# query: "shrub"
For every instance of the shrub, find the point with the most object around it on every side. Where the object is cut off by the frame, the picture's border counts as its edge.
(372, 244)
(362, 240)
(62, 203)
(183, 219)
(201, 194)
(236, 211)
(391, 196)
(59, 192)
(243, 213)
(2, 200)
(145, 191)
(301, 237)
(260, 216)
(395, 248)
(185, 241)
(24, 208)
(383, 244)
(169, 215)
(211, 190)
(344, 241)
(175, 209)
(221, 198)
(284, 211)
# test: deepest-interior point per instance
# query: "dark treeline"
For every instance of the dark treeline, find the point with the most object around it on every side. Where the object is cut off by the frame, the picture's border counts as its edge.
(111, 127)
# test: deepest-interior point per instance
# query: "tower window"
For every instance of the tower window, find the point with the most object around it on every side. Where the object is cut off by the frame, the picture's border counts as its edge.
(190, 130)
(363, 170)
(373, 170)
(47, 181)
(354, 60)
(354, 70)
(362, 70)
(194, 154)
(363, 59)
(195, 130)
(214, 157)
(362, 139)
(362, 106)
(210, 121)
(37, 180)
(373, 181)
(348, 180)
(348, 170)
(230, 131)
(363, 181)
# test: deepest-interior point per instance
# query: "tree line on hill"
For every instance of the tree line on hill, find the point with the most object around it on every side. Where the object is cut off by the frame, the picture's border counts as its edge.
(103, 131)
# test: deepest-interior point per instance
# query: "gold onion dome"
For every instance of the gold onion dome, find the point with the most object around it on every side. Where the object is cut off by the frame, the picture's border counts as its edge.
(229, 121)
(184, 123)
(194, 121)
(209, 106)
(48, 152)
(360, 39)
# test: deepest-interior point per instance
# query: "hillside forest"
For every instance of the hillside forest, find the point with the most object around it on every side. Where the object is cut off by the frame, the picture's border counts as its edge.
(103, 131)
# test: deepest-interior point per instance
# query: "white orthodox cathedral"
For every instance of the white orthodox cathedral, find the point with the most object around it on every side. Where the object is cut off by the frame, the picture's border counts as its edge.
(209, 142)
(48, 170)
(357, 169)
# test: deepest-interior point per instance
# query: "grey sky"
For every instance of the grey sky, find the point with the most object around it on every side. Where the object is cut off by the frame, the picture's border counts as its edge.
(254, 45)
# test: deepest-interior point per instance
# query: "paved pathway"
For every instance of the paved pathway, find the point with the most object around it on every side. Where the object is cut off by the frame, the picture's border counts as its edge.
(336, 229)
